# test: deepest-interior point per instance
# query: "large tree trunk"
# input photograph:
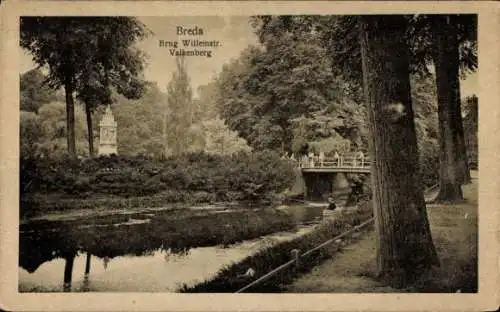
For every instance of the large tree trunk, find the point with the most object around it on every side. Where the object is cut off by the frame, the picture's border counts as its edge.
(70, 120)
(405, 248)
(90, 129)
(451, 171)
(462, 159)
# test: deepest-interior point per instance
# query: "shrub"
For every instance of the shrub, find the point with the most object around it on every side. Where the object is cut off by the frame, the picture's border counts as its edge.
(429, 162)
(242, 176)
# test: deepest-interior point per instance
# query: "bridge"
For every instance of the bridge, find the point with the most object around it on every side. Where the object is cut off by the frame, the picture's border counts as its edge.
(321, 176)
(349, 164)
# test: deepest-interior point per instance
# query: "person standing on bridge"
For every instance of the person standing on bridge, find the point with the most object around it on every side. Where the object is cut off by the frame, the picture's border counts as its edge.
(305, 161)
(336, 158)
(361, 157)
(311, 159)
(321, 158)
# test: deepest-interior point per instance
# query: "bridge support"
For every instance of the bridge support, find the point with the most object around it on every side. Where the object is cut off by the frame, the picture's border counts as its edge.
(340, 181)
(317, 185)
(330, 177)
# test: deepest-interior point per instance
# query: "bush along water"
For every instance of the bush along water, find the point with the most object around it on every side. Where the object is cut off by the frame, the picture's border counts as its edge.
(196, 177)
(231, 279)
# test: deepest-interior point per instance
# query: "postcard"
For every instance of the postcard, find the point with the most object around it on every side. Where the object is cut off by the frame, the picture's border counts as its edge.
(251, 156)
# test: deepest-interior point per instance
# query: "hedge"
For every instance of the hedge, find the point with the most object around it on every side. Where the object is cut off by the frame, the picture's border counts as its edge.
(195, 177)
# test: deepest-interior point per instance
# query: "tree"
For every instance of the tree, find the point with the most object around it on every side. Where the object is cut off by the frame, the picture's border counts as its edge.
(291, 76)
(450, 43)
(205, 105)
(74, 48)
(92, 93)
(470, 106)
(340, 38)
(424, 100)
(30, 133)
(114, 62)
(327, 131)
(220, 140)
(232, 100)
(34, 91)
(405, 247)
(287, 76)
(140, 122)
(464, 38)
(52, 135)
(447, 80)
(179, 115)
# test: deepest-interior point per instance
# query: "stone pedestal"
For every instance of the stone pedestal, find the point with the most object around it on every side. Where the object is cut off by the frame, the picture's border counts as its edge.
(107, 136)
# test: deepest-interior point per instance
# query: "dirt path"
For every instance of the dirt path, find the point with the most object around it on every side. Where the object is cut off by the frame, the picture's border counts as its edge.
(454, 230)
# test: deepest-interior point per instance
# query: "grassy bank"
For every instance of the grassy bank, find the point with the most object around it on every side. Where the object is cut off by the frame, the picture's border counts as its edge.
(230, 279)
(138, 234)
(454, 230)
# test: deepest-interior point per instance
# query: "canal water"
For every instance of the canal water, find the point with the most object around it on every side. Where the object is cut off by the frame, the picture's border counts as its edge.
(156, 270)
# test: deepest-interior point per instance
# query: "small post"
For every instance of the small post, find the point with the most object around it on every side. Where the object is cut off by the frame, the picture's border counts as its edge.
(296, 256)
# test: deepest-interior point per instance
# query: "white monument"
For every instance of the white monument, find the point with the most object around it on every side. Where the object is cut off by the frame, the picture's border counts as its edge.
(107, 136)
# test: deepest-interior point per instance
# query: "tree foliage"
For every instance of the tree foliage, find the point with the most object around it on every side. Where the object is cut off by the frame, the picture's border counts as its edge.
(340, 35)
(424, 101)
(140, 122)
(86, 55)
(179, 112)
(221, 140)
(286, 77)
(34, 91)
(232, 102)
(74, 48)
(44, 134)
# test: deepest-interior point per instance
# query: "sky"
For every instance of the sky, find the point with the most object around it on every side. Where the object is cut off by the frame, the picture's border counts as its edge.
(234, 34)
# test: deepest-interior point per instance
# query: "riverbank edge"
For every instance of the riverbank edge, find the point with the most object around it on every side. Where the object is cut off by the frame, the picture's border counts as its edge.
(232, 278)
(43, 205)
(48, 239)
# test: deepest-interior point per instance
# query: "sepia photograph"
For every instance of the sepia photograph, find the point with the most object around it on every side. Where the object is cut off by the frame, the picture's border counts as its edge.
(248, 153)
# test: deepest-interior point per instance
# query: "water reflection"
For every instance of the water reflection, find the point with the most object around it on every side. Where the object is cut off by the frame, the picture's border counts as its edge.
(158, 255)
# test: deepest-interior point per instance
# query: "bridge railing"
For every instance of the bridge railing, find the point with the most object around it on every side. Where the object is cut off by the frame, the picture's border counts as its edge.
(341, 162)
